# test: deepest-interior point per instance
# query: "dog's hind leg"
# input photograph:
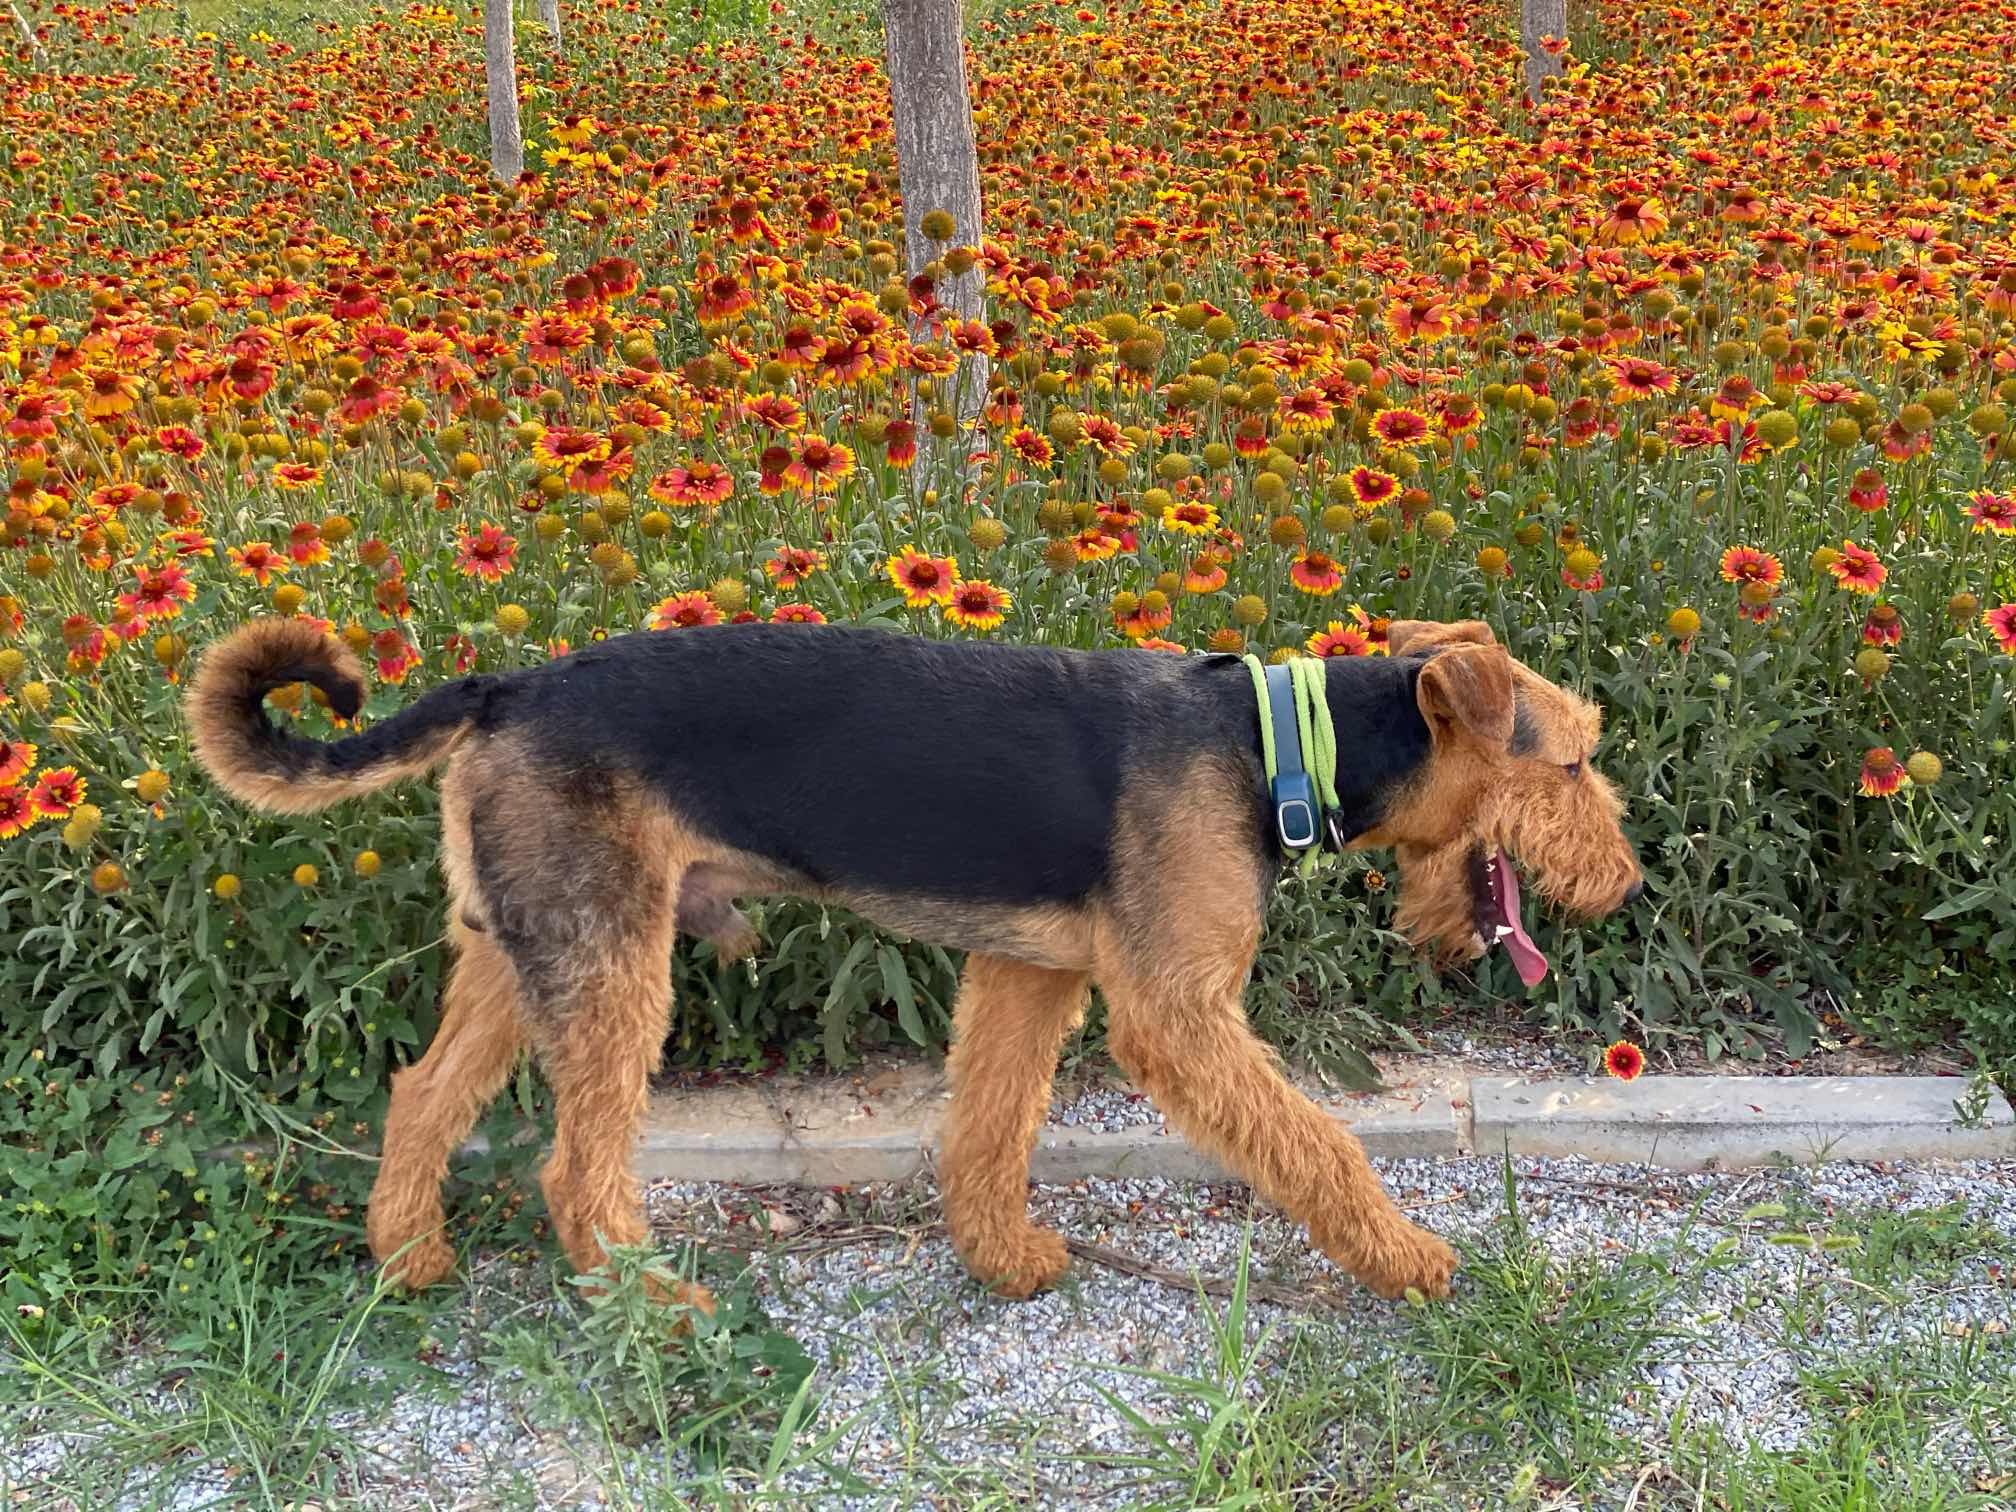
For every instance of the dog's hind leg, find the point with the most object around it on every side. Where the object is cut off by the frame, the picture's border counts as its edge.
(435, 1103)
(1007, 1027)
(1179, 1029)
(599, 1040)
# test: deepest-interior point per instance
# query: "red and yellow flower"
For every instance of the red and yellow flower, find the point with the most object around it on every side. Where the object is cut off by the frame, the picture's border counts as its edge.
(978, 605)
(1624, 1060)
(1882, 773)
(57, 791)
(487, 553)
(924, 579)
(2001, 623)
(1340, 639)
(1858, 569)
(684, 611)
(1315, 573)
(16, 757)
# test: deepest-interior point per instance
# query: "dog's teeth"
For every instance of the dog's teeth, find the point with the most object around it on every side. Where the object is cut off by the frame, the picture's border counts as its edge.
(1503, 930)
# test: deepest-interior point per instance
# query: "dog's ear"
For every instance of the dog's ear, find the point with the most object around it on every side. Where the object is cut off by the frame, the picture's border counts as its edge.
(1403, 636)
(1469, 688)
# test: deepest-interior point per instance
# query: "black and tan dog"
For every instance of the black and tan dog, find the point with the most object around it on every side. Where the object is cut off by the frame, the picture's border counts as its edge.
(1069, 818)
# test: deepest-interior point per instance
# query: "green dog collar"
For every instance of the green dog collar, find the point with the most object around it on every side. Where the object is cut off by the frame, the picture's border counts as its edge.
(1298, 747)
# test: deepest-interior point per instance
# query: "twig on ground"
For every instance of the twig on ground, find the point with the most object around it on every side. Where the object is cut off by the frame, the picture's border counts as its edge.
(1301, 1298)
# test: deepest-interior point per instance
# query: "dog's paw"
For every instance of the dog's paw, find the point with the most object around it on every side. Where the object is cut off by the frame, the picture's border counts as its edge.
(1405, 1259)
(421, 1264)
(1022, 1265)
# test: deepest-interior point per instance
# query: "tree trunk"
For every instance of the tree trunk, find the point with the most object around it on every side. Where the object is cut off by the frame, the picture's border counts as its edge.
(1537, 19)
(937, 165)
(28, 38)
(549, 13)
(500, 73)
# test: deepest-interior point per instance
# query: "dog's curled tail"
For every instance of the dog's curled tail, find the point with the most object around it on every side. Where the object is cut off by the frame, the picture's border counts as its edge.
(260, 764)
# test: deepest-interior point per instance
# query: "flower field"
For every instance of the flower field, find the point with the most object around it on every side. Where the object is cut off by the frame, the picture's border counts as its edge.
(1695, 382)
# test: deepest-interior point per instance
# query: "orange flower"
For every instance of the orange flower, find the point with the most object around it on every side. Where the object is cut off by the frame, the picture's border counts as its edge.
(1204, 575)
(564, 448)
(1857, 569)
(1371, 487)
(1640, 378)
(1882, 773)
(257, 561)
(1746, 564)
(925, 580)
(1339, 639)
(16, 812)
(1401, 428)
(793, 565)
(294, 476)
(684, 611)
(488, 554)
(161, 594)
(1992, 511)
(1307, 410)
(16, 756)
(1632, 220)
(1031, 446)
(1104, 435)
(978, 605)
(56, 792)
(697, 485)
(820, 464)
(1192, 517)
(2001, 623)
(1317, 574)
(109, 392)
(1624, 1060)
(394, 655)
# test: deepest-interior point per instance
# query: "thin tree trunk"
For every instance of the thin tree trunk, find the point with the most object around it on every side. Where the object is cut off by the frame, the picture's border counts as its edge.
(500, 74)
(34, 43)
(549, 12)
(937, 165)
(1537, 19)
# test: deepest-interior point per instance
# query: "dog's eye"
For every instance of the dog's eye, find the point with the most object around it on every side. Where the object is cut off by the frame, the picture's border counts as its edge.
(1573, 769)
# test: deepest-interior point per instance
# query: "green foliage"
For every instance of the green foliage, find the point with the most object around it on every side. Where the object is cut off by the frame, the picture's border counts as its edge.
(629, 1365)
(1773, 889)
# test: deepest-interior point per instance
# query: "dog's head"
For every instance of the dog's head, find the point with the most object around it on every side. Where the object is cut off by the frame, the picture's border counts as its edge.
(1508, 787)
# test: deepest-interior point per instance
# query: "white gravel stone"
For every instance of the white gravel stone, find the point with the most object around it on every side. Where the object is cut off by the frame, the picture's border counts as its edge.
(1024, 1387)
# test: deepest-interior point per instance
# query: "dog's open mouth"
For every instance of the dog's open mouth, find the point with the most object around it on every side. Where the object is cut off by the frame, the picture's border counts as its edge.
(1494, 893)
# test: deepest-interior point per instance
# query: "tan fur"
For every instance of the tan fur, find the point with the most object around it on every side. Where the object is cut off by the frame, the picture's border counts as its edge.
(565, 891)
(231, 678)
(1007, 1027)
(1173, 968)
(1563, 831)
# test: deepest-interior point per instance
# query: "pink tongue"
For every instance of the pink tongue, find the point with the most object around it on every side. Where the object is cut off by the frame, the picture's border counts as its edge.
(1511, 930)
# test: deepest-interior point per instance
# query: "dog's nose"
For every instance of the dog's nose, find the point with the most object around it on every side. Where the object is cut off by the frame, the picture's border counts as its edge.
(1637, 890)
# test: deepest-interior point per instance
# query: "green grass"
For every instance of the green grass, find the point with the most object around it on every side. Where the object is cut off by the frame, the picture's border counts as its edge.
(1527, 1388)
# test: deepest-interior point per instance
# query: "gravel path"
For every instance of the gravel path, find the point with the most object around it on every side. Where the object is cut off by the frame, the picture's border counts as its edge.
(938, 1385)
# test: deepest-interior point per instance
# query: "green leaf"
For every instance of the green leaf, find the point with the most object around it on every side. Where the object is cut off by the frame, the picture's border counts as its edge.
(896, 982)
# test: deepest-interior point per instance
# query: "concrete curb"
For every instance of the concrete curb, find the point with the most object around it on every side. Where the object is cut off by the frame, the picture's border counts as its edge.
(814, 1134)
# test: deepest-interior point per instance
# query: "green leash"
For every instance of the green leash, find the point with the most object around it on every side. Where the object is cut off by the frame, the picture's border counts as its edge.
(1315, 737)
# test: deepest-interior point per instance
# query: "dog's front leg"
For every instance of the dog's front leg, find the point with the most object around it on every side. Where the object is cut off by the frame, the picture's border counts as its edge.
(1186, 1043)
(1007, 1028)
